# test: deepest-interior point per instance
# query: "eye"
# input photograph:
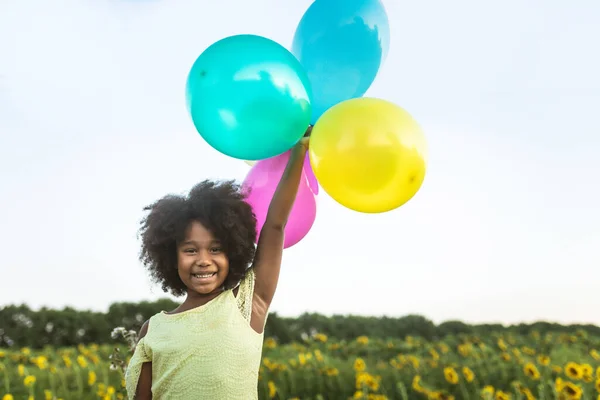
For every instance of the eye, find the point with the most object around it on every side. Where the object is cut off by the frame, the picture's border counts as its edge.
(189, 251)
(215, 250)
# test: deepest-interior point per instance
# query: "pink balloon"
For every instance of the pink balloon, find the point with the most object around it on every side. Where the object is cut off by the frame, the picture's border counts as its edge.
(260, 185)
(313, 184)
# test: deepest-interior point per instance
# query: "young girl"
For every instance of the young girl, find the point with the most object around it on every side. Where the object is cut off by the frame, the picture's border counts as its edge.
(202, 246)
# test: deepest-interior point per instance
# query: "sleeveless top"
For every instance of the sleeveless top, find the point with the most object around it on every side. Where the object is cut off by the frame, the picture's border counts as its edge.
(208, 352)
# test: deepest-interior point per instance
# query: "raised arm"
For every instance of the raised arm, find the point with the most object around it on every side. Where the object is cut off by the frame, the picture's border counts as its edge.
(267, 261)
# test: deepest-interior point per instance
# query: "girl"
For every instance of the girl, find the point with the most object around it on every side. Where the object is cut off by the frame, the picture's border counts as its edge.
(202, 246)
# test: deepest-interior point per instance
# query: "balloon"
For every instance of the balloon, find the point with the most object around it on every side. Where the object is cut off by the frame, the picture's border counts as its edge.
(260, 185)
(341, 44)
(368, 154)
(310, 175)
(249, 97)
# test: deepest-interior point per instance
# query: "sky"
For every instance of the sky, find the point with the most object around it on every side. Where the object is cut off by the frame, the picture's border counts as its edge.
(506, 227)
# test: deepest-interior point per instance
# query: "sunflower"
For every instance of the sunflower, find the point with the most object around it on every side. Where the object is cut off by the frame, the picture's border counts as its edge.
(364, 340)
(528, 350)
(501, 345)
(531, 371)
(527, 393)
(573, 370)
(270, 343)
(587, 372)
(359, 365)
(572, 391)
(500, 395)
(543, 360)
(416, 384)
(451, 375)
(487, 391)
(468, 374)
(557, 369)
(465, 349)
(558, 385)
(29, 380)
(272, 389)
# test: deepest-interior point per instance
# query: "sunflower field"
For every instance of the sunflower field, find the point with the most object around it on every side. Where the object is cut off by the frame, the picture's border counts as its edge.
(499, 366)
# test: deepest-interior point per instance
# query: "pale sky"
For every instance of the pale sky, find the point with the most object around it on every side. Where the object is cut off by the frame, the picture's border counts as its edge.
(506, 227)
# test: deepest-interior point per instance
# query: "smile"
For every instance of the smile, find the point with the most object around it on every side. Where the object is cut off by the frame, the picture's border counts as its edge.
(204, 276)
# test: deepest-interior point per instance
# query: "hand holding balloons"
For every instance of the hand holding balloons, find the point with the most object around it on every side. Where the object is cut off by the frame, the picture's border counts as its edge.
(249, 97)
(261, 183)
(310, 175)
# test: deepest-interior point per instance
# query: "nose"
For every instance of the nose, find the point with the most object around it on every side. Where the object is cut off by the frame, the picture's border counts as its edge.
(203, 258)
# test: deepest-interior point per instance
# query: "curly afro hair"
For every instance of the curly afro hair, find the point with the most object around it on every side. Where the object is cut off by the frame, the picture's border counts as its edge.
(221, 208)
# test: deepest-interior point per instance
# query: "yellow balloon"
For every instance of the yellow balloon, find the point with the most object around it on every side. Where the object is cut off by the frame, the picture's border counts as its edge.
(368, 154)
(250, 163)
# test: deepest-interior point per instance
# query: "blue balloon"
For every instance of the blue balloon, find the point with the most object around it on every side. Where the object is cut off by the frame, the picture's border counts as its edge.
(249, 97)
(341, 44)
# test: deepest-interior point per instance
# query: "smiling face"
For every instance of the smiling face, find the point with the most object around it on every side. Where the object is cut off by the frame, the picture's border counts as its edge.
(201, 262)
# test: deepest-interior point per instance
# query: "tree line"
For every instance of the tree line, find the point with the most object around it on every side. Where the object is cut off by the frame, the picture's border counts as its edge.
(20, 326)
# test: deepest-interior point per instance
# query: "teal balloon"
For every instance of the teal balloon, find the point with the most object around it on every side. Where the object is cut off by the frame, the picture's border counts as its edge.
(249, 97)
(341, 44)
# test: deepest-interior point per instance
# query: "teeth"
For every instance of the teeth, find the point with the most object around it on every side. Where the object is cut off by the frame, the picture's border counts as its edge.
(203, 275)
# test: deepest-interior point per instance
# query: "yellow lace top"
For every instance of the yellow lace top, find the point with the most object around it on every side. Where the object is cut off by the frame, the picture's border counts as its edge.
(208, 352)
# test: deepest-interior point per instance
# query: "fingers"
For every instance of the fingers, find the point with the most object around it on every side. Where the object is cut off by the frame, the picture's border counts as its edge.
(308, 131)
